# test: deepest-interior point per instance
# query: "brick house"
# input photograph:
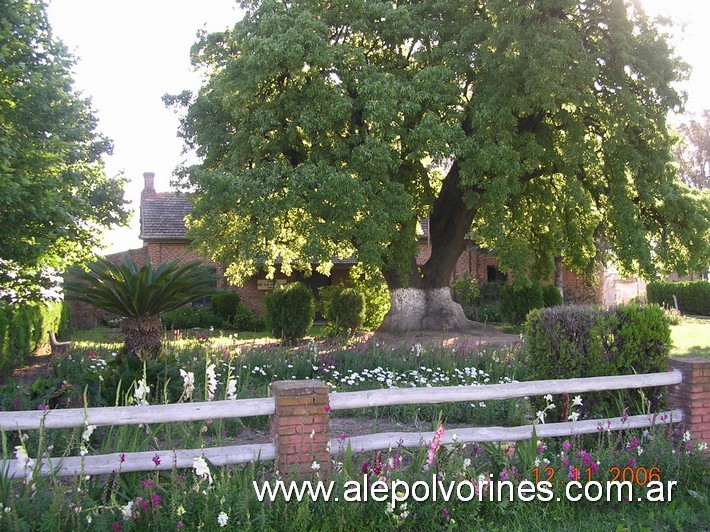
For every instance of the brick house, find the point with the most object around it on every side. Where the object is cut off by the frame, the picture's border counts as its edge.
(164, 236)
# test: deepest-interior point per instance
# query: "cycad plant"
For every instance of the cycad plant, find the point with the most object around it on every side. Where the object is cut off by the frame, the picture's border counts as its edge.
(140, 295)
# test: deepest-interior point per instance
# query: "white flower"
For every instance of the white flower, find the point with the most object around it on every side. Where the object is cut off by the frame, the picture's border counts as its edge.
(88, 432)
(141, 391)
(639, 450)
(686, 436)
(541, 416)
(202, 470)
(222, 519)
(188, 383)
(23, 459)
(537, 462)
(127, 511)
(466, 463)
(455, 437)
(83, 451)
(548, 398)
(702, 446)
(315, 466)
(211, 381)
(232, 389)
(577, 401)
(574, 416)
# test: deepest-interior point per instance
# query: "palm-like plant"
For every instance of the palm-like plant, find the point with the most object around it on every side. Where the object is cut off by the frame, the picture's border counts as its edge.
(140, 295)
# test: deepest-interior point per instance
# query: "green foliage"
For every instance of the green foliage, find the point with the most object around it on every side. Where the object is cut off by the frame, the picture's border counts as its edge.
(190, 318)
(327, 136)
(466, 292)
(693, 297)
(370, 283)
(551, 295)
(23, 328)
(226, 304)
(133, 292)
(490, 292)
(346, 312)
(518, 300)
(229, 307)
(578, 341)
(54, 194)
(290, 312)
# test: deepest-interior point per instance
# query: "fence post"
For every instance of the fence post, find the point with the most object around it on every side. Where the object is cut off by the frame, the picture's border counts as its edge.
(300, 428)
(692, 395)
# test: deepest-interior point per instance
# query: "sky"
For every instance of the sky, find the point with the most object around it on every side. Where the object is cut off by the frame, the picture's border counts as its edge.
(131, 52)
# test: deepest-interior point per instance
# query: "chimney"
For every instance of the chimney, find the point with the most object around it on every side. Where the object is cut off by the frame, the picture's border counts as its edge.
(149, 185)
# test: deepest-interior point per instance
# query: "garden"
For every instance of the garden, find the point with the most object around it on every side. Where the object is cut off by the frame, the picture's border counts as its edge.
(212, 364)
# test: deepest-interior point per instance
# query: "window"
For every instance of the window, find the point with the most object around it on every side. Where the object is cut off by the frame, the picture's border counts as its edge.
(206, 300)
(494, 275)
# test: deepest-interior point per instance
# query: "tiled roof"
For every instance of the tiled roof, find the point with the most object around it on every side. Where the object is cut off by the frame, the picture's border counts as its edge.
(163, 216)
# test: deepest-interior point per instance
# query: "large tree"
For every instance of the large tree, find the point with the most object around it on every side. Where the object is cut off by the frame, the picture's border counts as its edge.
(54, 194)
(329, 128)
(693, 152)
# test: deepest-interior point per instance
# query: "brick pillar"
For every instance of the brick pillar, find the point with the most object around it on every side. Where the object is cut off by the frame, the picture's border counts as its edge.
(692, 395)
(300, 428)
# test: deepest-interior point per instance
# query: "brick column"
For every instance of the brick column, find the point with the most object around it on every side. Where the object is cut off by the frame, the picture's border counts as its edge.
(692, 395)
(300, 428)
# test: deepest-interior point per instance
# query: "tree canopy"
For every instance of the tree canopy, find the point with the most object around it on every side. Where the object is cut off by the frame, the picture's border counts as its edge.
(693, 152)
(54, 194)
(329, 128)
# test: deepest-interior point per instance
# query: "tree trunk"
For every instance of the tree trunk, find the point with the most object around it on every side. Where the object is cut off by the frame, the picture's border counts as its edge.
(559, 277)
(143, 336)
(425, 304)
(425, 309)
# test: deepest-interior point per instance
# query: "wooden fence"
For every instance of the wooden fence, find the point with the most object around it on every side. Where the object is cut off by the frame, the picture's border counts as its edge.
(300, 413)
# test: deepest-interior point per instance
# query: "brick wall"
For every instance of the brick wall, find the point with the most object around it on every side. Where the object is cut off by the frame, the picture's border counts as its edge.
(692, 395)
(300, 428)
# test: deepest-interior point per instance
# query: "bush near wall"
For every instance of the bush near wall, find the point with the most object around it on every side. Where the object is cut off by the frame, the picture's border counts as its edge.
(290, 312)
(23, 328)
(693, 296)
(516, 301)
(581, 341)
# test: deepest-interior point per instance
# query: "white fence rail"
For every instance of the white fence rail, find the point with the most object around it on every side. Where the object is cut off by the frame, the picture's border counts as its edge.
(238, 454)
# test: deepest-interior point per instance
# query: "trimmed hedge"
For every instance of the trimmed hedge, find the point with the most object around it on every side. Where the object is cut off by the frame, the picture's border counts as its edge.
(347, 311)
(581, 341)
(290, 312)
(516, 301)
(693, 296)
(23, 328)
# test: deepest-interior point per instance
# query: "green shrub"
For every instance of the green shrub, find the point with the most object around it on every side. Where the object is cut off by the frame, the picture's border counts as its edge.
(517, 300)
(693, 297)
(465, 291)
(23, 328)
(580, 341)
(488, 313)
(246, 320)
(225, 305)
(490, 292)
(551, 295)
(346, 312)
(191, 318)
(371, 284)
(290, 312)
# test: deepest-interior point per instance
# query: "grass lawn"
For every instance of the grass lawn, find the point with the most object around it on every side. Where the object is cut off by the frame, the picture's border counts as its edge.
(691, 337)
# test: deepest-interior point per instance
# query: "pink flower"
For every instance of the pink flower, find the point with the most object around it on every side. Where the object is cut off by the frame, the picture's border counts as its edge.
(156, 460)
(566, 445)
(116, 526)
(434, 447)
(123, 457)
(503, 475)
(155, 499)
(179, 524)
(326, 408)
(91, 356)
